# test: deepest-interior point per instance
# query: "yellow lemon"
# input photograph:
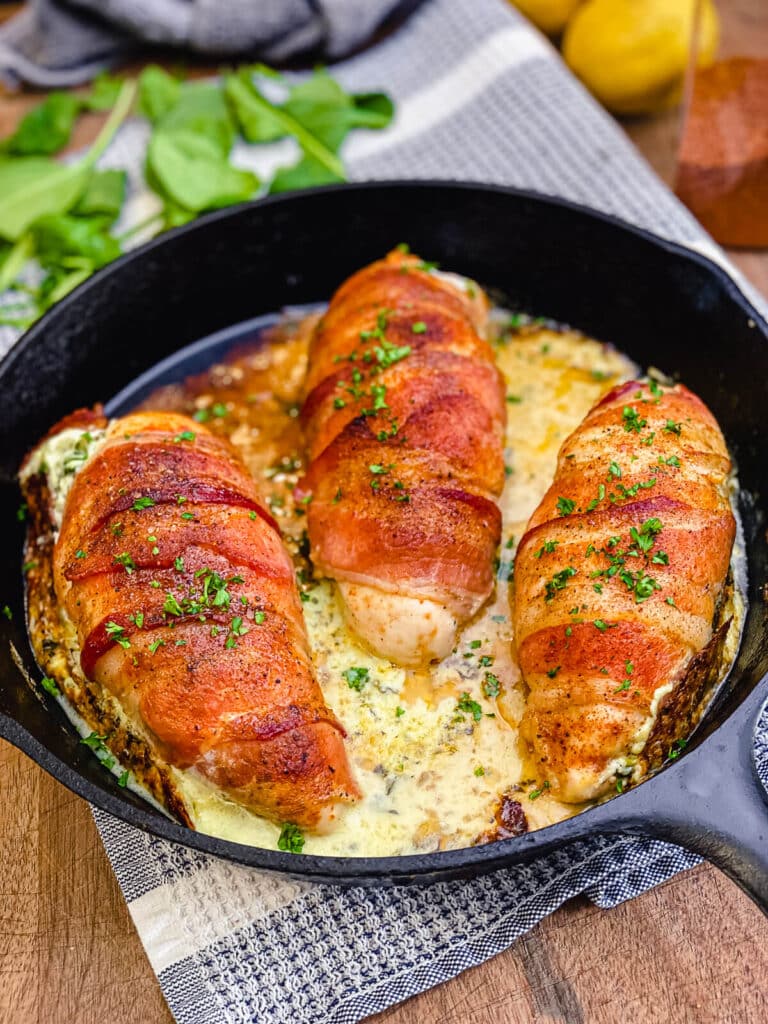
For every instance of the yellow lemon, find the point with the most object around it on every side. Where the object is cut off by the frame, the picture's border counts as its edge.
(550, 16)
(632, 54)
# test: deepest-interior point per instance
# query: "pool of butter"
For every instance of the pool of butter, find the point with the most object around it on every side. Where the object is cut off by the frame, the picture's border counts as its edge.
(431, 750)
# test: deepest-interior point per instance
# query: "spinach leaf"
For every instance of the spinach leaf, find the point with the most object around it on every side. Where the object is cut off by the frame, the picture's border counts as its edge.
(104, 92)
(32, 186)
(201, 110)
(257, 121)
(61, 236)
(104, 194)
(192, 172)
(158, 92)
(307, 173)
(46, 128)
(14, 259)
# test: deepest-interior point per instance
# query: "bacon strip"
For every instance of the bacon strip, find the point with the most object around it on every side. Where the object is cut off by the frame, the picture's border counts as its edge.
(404, 418)
(618, 579)
(185, 604)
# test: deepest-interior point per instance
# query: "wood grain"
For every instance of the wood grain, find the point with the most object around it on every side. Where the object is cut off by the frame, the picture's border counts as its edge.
(693, 951)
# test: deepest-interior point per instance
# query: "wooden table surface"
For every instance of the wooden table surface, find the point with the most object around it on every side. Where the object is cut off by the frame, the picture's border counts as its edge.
(693, 950)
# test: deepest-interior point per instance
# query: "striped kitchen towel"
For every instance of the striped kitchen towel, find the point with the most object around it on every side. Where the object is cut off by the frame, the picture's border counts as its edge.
(481, 96)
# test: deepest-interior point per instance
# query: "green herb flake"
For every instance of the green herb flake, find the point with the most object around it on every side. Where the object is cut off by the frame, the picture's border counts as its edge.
(50, 686)
(291, 839)
(465, 705)
(558, 582)
(142, 503)
(565, 506)
(356, 677)
(536, 793)
(419, 327)
(491, 685)
(546, 548)
(116, 633)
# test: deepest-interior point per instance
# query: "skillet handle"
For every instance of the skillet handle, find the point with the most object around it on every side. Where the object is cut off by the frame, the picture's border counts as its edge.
(712, 802)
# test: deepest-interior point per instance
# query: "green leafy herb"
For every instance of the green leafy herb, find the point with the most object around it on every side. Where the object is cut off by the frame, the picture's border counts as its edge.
(50, 686)
(291, 839)
(536, 793)
(632, 421)
(465, 705)
(565, 506)
(558, 582)
(491, 685)
(142, 503)
(547, 548)
(117, 633)
(356, 677)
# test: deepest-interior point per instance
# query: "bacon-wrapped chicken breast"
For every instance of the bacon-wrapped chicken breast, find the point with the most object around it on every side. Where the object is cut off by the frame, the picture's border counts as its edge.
(404, 419)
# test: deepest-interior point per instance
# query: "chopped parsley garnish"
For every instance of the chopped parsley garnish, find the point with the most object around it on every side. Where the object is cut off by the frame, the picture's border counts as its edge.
(50, 686)
(614, 469)
(536, 793)
(624, 686)
(117, 633)
(565, 506)
(479, 771)
(558, 582)
(356, 677)
(178, 564)
(137, 619)
(155, 645)
(126, 561)
(80, 553)
(514, 399)
(291, 839)
(632, 421)
(187, 515)
(388, 354)
(419, 327)
(600, 624)
(491, 686)
(670, 601)
(671, 461)
(552, 672)
(141, 503)
(676, 749)
(339, 403)
(185, 435)
(596, 501)
(29, 566)
(465, 705)
(670, 427)
(546, 548)
(399, 712)
(123, 779)
(172, 606)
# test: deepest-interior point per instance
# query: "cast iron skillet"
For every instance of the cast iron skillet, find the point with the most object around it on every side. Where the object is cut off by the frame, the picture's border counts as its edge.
(664, 305)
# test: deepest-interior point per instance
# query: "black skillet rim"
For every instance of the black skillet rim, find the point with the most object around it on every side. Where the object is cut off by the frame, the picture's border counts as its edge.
(445, 864)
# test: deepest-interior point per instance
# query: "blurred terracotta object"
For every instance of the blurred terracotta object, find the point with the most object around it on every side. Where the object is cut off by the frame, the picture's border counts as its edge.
(722, 174)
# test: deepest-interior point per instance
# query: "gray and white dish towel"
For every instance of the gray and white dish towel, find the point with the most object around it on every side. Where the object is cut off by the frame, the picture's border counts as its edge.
(480, 96)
